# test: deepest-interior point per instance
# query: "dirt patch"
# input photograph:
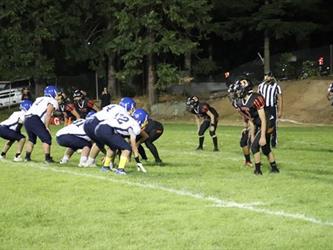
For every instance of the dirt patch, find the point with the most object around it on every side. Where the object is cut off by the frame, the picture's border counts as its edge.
(304, 101)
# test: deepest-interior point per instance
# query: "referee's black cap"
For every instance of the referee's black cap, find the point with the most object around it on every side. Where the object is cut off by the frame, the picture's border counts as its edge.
(269, 73)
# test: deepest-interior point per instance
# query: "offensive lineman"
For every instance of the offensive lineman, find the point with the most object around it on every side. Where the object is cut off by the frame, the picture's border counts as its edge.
(73, 138)
(10, 130)
(108, 112)
(37, 121)
(206, 117)
(112, 132)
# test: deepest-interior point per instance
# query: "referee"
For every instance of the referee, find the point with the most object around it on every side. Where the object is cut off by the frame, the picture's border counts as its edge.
(272, 93)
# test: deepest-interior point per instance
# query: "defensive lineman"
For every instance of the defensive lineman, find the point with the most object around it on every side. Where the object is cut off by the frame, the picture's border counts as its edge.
(10, 130)
(37, 121)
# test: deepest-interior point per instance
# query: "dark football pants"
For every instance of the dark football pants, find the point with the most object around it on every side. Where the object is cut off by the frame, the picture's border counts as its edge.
(153, 136)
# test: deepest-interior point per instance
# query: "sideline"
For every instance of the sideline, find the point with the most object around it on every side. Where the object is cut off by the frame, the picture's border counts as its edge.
(216, 201)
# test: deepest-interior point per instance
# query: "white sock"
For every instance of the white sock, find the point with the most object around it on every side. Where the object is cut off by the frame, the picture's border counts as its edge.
(83, 159)
(65, 158)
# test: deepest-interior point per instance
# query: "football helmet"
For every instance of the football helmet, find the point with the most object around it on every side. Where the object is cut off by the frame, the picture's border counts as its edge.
(77, 94)
(243, 87)
(128, 103)
(141, 116)
(25, 105)
(192, 102)
(50, 91)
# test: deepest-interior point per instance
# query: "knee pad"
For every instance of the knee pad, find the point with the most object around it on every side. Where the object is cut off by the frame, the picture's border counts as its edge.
(266, 149)
(212, 133)
(255, 148)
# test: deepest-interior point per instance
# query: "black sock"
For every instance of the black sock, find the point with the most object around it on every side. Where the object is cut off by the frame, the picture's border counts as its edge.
(215, 142)
(258, 166)
(273, 165)
(247, 158)
(47, 157)
(28, 155)
(201, 141)
(17, 155)
(3, 154)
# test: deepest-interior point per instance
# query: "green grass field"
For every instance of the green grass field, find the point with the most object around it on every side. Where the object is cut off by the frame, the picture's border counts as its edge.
(199, 200)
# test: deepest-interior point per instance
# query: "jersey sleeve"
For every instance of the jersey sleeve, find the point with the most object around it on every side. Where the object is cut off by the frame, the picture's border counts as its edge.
(54, 103)
(259, 102)
(279, 91)
(204, 108)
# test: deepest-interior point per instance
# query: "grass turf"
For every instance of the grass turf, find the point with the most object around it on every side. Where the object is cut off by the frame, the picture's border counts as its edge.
(199, 200)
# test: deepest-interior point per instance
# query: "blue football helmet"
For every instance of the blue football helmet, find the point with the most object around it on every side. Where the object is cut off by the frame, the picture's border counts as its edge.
(51, 91)
(128, 103)
(141, 116)
(90, 114)
(25, 105)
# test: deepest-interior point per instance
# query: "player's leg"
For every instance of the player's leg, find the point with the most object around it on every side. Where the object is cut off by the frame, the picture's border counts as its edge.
(244, 144)
(212, 133)
(5, 148)
(270, 156)
(203, 127)
(255, 148)
(19, 148)
(142, 152)
(29, 146)
(153, 136)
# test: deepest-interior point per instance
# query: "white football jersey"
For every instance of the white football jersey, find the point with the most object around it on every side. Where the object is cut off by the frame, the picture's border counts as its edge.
(14, 119)
(109, 112)
(76, 128)
(123, 124)
(39, 107)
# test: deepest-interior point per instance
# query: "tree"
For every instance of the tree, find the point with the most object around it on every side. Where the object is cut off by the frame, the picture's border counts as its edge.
(276, 19)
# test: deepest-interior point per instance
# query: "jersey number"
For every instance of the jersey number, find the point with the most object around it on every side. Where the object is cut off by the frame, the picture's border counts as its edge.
(121, 118)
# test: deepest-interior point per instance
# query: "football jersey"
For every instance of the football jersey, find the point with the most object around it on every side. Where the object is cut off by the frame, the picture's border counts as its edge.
(202, 109)
(109, 112)
(249, 108)
(14, 120)
(123, 124)
(39, 107)
(84, 106)
(76, 128)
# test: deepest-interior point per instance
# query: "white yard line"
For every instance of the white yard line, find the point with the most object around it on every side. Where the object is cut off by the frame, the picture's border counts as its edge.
(216, 201)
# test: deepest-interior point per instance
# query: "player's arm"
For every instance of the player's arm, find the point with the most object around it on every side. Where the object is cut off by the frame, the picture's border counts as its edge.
(198, 122)
(48, 115)
(262, 116)
(136, 153)
(76, 114)
(143, 137)
(212, 120)
(279, 105)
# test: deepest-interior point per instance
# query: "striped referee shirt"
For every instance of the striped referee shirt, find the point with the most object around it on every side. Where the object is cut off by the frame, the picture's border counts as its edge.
(270, 92)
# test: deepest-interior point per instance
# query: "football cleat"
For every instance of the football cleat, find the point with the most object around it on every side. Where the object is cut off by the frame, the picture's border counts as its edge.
(63, 161)
(275, 170)
(248, 164)
(49, 161)
(257, 172)
(199, 148)
(105, 169)
(17, 159)
(120, 171)
(1, 157)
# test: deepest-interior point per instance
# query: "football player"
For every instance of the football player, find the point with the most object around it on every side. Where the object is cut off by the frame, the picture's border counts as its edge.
(330, 93)
(252, 106)
(37, 121)
(68, 110)
(82, 104)
(10, 130)
(206, 117)
(112, 132)
(73, 138)
(150, 133)
(108, 112)
(245, 139)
